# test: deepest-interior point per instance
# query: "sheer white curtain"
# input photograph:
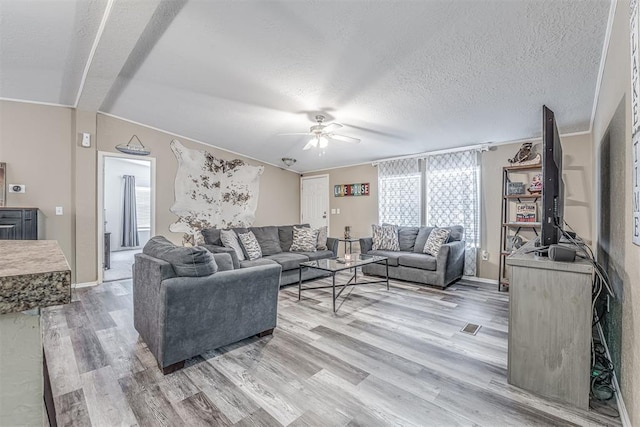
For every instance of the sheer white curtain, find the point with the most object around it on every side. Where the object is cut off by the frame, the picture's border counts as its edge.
(399, 192)
(453, 197)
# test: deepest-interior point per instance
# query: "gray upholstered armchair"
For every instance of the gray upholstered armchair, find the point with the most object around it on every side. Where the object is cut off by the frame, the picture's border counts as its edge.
(181, 317)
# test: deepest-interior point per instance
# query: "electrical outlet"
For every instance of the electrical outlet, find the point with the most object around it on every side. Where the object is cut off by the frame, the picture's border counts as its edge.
(485, 256)
(59, 210)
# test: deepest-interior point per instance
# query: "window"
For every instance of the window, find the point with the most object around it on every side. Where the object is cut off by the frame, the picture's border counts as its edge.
(143, 207)
(399, 192)
(451, 195)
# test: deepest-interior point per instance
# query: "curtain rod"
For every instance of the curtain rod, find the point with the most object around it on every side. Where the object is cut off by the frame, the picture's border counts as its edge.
(483, 147)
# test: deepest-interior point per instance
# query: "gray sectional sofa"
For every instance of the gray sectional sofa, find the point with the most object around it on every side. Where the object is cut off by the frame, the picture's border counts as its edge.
(411, 264)
(275, 242)
(181, 309)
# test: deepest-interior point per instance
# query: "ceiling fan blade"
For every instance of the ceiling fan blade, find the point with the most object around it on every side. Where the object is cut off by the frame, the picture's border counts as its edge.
(343, 138)
(334, 125)
(310, 144)
(296, 133)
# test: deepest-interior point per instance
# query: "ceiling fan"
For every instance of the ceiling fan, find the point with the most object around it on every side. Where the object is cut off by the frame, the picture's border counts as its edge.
(321, 134)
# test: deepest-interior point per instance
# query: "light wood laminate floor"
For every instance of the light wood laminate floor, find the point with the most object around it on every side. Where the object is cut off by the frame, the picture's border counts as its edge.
(386, 358)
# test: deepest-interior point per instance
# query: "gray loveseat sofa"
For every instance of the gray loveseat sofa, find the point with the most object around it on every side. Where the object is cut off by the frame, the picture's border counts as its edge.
(275, 242)
(181, 317)
(411, 264)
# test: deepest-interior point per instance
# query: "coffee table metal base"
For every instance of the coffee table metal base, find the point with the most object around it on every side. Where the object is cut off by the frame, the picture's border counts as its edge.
(353, 281)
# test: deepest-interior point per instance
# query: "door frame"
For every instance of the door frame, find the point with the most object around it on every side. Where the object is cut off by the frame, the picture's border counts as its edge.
(328, 192)
(102, 155)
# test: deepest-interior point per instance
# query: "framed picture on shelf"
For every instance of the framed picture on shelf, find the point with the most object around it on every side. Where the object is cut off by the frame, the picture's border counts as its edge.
(515, 188)
(526, 212)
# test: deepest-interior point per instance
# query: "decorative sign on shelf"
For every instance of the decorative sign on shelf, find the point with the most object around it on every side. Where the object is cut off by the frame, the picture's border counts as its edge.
(526, 212)
(635, 119)
(343, 190)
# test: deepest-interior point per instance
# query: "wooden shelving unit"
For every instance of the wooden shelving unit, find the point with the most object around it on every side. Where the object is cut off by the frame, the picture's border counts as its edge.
(509, 227)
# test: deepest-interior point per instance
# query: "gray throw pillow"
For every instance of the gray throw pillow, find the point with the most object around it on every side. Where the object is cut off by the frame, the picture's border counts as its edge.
(437, 238)
(229, 239)
(304, 240)
(321, 245)
(250, 245)
(385, 238)
(186, 261)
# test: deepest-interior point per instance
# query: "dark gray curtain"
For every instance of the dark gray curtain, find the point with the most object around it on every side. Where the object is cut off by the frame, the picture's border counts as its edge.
(129, 218)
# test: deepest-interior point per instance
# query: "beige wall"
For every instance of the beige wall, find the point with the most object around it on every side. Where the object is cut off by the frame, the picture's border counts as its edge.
(616, 90)
(358, 212)
(361, 212)
(41, 146)
(577, 174)
(278, 202)
(35, 143)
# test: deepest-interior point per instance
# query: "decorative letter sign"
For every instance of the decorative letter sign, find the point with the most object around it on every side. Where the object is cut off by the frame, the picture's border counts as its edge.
(342, 190)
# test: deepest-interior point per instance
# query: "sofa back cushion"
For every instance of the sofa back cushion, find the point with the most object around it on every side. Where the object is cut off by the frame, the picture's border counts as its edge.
(211, 236)
(230, 239)
(186, 261)
(421, 239)
(285, 233)
(407, 238)
(456, 233)
(268, 239)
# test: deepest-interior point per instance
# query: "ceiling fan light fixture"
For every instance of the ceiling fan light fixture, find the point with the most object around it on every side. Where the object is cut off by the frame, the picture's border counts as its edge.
(323, 141)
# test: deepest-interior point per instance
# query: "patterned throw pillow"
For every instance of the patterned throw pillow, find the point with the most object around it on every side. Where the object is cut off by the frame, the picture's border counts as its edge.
(250, 245)
(229, 239)
(322, 238)
(385, 238)
(436, 239)
(304, 240)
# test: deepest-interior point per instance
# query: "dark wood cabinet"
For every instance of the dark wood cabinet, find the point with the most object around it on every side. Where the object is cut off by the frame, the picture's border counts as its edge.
(18, 224)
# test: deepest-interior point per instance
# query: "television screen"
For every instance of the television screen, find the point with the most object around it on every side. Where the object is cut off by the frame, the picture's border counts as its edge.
(553, 186)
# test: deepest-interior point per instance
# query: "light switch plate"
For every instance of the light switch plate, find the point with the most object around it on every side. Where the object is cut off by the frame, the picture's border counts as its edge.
(59, 210)
(333, 211)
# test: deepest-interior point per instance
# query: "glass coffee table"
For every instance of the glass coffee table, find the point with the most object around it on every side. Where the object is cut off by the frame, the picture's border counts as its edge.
(335, 265)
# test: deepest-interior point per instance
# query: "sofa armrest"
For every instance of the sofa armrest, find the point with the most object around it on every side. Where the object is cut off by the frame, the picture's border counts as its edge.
(332, 245)
(366, 244)
(215, 249)
(451, 259)
(203, 313)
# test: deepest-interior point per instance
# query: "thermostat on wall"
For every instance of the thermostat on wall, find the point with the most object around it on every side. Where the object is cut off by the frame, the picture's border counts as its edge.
(17, 188)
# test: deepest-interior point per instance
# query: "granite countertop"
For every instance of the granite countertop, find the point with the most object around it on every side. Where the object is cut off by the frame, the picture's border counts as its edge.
(33, 273)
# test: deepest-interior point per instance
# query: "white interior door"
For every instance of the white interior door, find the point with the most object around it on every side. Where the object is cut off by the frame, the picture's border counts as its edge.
(314, 200)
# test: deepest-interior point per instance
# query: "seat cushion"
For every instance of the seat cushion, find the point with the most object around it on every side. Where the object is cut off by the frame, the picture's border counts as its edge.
(423, 261)
(268, 239)
(288, 260)
(407, 238)
(256, 262)
(314, 256)
(186, 261)
(421, 239)
(392, 255)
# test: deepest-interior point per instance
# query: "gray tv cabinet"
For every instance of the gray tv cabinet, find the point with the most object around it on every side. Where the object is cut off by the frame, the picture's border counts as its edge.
(550, 327)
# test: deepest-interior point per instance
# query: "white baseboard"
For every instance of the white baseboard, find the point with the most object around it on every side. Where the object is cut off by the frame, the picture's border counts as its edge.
(481, 279)
(622, 409)
(83, 285)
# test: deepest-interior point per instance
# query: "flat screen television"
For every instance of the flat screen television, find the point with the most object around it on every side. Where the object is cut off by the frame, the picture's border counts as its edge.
(553, 186)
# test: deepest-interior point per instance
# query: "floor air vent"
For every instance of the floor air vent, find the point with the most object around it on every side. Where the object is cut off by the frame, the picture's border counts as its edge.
(470, 328)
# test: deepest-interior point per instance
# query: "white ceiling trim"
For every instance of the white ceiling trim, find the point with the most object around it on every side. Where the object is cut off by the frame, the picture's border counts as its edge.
(603, 60)
(199, 142)
(96, 41)
(26, 101)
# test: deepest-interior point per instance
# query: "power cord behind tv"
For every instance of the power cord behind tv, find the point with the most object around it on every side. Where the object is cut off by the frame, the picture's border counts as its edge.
(602, 388)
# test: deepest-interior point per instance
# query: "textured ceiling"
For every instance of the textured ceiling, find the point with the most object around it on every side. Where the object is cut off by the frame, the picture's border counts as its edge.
(405, 77)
